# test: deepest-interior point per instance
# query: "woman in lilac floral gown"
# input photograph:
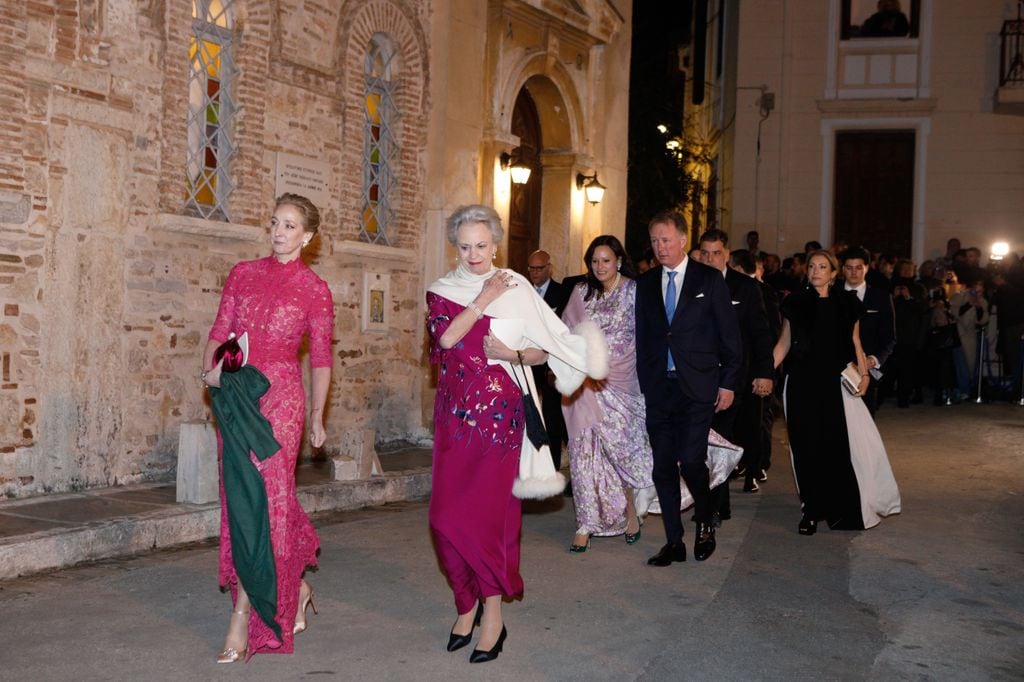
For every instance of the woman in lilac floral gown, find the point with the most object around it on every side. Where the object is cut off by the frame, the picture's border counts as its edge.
(277, 301)
(481, 460)
(609, 454)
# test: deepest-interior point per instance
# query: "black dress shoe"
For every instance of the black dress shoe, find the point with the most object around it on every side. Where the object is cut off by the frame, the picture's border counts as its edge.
(807, 526)
(456, 642)
(668, 554)
(480, 656)
(704, 545)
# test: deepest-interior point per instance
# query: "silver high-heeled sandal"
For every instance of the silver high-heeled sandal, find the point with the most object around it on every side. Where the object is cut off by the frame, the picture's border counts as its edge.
(300, 625)
(231, 654)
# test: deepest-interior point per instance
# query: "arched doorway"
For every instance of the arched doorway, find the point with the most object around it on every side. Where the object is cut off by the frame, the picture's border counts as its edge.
(525, 200)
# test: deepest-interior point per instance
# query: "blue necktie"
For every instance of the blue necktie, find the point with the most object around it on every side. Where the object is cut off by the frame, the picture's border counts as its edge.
(670, 311)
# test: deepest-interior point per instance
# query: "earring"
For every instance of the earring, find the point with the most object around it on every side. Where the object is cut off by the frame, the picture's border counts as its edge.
(618, 268)
(494, 255)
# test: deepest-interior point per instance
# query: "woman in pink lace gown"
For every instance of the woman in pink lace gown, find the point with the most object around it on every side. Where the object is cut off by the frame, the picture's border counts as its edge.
(277, 301)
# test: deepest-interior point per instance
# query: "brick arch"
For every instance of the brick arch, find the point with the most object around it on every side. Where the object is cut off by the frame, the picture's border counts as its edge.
(407, 36)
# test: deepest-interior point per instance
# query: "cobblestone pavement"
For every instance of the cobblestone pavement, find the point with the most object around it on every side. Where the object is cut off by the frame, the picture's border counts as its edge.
(934, 593)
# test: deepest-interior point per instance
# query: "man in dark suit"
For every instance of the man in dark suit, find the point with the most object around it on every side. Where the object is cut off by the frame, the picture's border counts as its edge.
(741, 423)
(688, 355)
(557, 296)
(878, 326)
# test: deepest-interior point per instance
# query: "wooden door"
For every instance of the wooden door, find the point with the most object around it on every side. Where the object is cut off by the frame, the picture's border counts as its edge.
(524, 200)
(873, 204)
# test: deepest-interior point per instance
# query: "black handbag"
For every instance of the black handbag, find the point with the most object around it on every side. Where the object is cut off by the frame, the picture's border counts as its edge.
(535, 430)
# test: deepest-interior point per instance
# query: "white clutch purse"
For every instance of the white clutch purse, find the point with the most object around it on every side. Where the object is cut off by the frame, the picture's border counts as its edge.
(509, 332)
(850, 377)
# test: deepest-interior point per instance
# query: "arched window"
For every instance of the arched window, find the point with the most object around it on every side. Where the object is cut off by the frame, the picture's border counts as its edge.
(380, 149)
(211, 110)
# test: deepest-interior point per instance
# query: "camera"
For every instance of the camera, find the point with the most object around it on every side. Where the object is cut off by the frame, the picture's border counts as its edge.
(937, 294)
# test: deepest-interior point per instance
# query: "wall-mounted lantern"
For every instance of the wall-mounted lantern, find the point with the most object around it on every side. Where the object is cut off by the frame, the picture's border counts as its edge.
(520, 172)
(593, 189)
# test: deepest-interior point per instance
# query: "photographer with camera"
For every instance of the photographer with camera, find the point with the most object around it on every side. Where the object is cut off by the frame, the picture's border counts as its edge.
(972, 315)
(943, 341)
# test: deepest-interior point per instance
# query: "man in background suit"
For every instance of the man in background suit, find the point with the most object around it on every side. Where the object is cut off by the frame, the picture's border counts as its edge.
(555, 295)
(741, 423)
(878, 326)
(688, 355)
(742, 261)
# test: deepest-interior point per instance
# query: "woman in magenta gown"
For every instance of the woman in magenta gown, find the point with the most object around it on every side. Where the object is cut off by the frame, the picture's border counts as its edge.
(480, 455)
(277, 301)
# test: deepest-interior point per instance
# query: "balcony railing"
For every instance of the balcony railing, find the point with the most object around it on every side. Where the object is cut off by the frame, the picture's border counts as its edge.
(1011, 60)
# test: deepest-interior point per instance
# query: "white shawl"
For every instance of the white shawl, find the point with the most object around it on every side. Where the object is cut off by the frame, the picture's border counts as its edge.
(572, 356)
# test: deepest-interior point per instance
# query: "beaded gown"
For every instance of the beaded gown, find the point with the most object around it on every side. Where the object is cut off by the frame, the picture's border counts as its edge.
(478, 434)
(277, 305)
(608, 446)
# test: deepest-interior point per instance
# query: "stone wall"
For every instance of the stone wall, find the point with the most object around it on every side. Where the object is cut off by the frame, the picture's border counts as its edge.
(107, 291)
(969, 154)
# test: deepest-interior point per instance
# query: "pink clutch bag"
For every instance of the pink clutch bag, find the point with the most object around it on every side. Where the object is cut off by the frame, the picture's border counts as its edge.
(234, 352)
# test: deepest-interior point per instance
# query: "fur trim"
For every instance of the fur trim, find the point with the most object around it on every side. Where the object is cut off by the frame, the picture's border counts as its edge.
(538, 488)
(595, 354)
(597, 349)
(570, 384)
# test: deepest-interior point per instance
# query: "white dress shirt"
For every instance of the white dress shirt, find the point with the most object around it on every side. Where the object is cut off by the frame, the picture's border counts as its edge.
(681, 269)
(859, 289)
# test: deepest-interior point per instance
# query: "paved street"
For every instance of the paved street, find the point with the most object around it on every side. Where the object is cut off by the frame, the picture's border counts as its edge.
(935, 593)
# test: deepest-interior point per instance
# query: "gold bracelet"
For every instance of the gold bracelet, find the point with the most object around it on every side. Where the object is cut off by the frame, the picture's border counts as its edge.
(475, 308)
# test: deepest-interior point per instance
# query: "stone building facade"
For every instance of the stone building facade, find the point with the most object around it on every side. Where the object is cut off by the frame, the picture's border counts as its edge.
(796, 92)
(131, 180)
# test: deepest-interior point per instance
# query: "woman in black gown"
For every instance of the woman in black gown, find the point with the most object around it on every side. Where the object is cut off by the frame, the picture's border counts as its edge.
(820, 335)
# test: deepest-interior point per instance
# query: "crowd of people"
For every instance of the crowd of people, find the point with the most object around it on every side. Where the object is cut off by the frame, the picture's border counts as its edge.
(956, 326)
(662, 379)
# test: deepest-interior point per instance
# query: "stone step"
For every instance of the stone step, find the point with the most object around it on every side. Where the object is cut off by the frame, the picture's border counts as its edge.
(61, 530)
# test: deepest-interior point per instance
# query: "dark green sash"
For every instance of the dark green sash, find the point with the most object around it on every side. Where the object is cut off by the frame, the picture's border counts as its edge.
(244, 429)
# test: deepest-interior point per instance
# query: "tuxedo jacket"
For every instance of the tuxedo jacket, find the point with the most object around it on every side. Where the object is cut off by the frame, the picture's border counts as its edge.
(748, 304)
(878, 324)
(557, 296)
(704, 335)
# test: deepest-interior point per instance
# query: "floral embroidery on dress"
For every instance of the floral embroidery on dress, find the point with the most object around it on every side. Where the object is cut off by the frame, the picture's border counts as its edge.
(469, 389)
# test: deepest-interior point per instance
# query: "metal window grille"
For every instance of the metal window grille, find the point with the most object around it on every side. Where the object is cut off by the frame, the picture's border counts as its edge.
(1011, 55)
(380, 150)
(211, 110)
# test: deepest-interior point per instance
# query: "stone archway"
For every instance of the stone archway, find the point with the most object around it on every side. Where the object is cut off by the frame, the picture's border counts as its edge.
(525, 200)
(552, 156)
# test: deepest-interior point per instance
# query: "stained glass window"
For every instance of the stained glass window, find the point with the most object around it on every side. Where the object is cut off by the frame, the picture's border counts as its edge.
(380, 149)
(211, 110)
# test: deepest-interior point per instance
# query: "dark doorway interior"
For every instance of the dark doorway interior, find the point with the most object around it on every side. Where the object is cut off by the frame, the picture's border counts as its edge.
(524, 201)
(874, 189)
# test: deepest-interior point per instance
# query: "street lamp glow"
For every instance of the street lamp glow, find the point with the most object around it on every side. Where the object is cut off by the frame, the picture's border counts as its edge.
(1000, 250)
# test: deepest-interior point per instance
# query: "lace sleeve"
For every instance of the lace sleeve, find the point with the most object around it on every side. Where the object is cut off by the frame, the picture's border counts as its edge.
(225, 321)
(320, 325)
